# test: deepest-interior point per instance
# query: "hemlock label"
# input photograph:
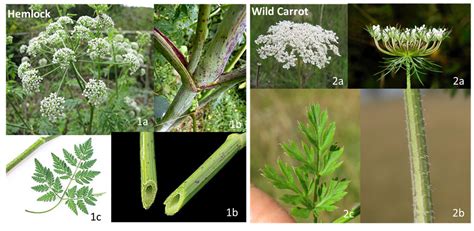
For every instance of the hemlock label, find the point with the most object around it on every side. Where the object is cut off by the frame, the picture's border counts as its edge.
(29, 14)
(270, 11)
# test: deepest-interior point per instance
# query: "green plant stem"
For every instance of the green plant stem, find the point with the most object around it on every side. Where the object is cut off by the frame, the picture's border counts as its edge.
(91, 119)
(149, 185)
(237, 56)
(355, 212)
(204, 173)
(29, 151)
(200, 37)
(79, 77)
(211, 64)
(419, 159)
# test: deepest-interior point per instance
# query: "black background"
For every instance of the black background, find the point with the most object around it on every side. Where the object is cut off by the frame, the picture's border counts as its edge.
(177, 155)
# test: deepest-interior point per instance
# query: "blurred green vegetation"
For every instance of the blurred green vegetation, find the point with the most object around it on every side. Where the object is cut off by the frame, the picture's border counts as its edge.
(178, 23)
(453, 56)
(274, 120)
(273, 75)
(386, 185)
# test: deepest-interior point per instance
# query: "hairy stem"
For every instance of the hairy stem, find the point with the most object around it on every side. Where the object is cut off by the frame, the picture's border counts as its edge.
(29, 151)
(355, 212)
(149, 185)
(419, 159)
(176, 200)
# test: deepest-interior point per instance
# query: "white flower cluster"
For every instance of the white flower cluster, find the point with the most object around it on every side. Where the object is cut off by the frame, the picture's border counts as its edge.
(104, 22)
(29, 78)
(416, 41)
(98, 48)
(286, 41)
(127, 53)
(64, 57)
(95, 92)
(52, 107)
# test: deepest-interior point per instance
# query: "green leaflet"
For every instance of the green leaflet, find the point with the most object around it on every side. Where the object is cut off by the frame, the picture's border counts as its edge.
(75, 171)
(311, 183)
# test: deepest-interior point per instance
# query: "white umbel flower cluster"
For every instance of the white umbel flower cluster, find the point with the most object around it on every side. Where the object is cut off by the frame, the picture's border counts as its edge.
(30, 79)
(98, 48)
(104, 22)
(52, 107)
(95, 92)
(64, 57)
(287, 41)
(416, 41)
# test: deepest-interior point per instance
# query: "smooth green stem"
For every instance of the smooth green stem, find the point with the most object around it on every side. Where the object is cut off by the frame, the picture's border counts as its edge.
(200, 37)
(408, 74)
(79, 77)
(419, 159)
(149, 185)
(29, 151)
(91, 119)
(176, 200)
(237, 56)
(355, 212)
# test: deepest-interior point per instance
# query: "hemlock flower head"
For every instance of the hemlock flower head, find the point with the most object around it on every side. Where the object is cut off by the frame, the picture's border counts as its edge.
(25, 60)
(87, 22)
(31, 81)
(287, 41)
(104, 22)
(23, 48)
(24, 66)
(63, 57)
(95, 92)
(408, 47)
(53, 27)
(64, 20)
(52, 107)
(98, 48)
(81, 32)
(43, 62)
(133, 60)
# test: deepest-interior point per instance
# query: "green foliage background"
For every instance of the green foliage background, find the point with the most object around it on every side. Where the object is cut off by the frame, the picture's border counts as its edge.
(274, 120)
(273, 75)
(178, 23)
(454, 55)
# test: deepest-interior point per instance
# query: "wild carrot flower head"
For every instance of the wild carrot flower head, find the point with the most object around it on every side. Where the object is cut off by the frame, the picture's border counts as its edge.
(408, 48)
(287, 41)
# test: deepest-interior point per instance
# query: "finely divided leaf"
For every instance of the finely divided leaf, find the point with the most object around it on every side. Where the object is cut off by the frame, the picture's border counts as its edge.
(87, 164)
(61, 168)
(40, 188)
(69, 158)
(330, 195)
(48, 197)
(300, 212)
(70, 203)
(84, 151)
(85, 176)
(42, 174)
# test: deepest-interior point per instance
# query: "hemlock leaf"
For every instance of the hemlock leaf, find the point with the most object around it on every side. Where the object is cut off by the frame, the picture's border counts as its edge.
(60, 166)
(69, 158)
(310, 174)
(48, 197)
(40, 188)
(76, 172)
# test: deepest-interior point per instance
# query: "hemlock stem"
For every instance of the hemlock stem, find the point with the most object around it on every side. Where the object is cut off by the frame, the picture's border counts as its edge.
(149, 186)
(28, 151)
(419, 159)
(176, 200)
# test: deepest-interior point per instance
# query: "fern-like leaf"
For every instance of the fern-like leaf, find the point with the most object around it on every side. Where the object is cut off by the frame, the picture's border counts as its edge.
(85, 176)
(61, 167)
(84, 151)
(309, 177)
